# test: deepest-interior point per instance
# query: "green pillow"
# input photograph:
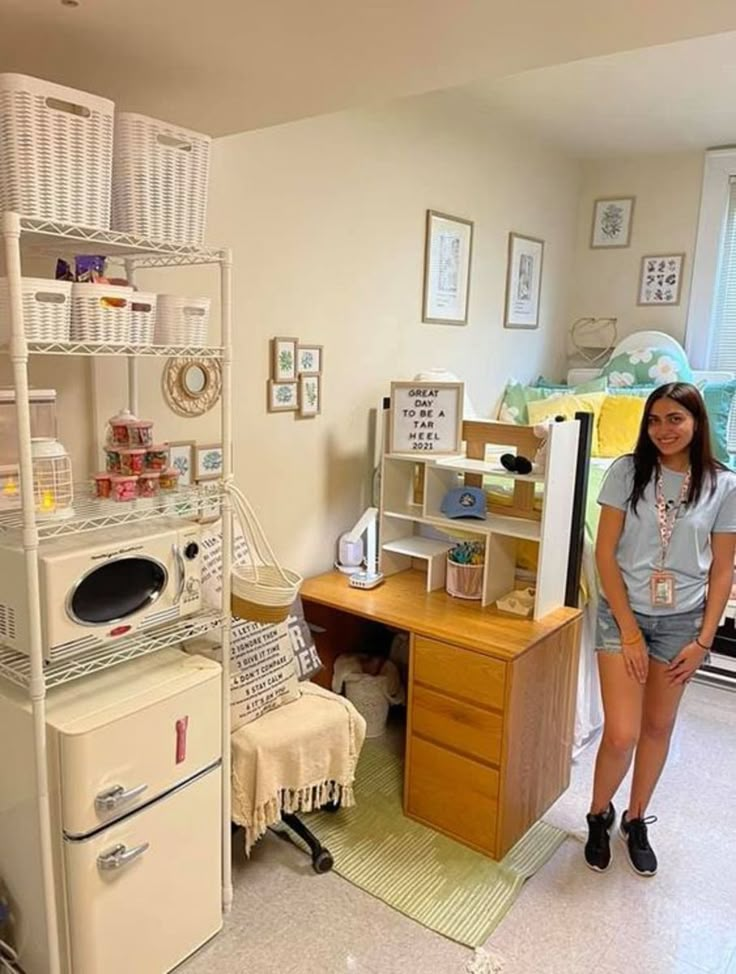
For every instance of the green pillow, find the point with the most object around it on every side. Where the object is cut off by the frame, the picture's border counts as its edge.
(718, 397)
(517, 397)
(647, 366)
(643, 392)
(592, 385)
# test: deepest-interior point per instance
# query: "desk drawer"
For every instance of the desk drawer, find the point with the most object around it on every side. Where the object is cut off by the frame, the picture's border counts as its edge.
(458, 724)
(460, 671)
(453, 793)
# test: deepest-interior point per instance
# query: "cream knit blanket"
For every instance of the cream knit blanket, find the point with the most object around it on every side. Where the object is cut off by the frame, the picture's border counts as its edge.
(293, 759)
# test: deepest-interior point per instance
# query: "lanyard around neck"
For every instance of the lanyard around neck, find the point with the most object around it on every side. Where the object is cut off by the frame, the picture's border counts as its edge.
(666, 519)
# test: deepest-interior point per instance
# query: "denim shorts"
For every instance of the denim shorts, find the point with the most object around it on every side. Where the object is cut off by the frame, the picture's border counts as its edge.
(665, 635)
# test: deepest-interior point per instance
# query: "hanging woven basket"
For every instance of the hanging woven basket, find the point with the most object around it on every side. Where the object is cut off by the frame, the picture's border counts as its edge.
(261, 590)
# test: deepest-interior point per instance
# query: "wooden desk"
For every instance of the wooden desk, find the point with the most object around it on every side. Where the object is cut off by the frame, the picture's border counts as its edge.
(491, 704)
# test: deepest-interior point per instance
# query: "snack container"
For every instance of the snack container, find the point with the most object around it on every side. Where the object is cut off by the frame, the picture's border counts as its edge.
(169, 479)
(148, 483)
(103, 485)
(112, 461)
(140, 433)
(124, 487)
(132, 461)
(157, 457)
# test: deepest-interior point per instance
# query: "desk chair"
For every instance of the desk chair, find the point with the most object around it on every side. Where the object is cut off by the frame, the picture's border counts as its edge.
(297, 758)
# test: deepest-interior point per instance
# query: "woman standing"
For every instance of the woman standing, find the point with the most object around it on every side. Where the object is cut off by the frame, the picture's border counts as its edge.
(665, 556)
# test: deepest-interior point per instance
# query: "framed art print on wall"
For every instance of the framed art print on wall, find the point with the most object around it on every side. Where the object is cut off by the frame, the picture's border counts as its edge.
(207, 461)
(283, 363)
(309, 359)
(310, 395)
(523, 281)
(283, 397)
(660, 280)
(612, 221)
(181, 458)
(447, 255)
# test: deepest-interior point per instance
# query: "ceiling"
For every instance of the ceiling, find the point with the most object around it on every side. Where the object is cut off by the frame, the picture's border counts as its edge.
(663, 99)
(226, 66)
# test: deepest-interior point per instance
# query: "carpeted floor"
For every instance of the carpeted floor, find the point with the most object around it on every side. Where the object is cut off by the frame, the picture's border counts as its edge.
(423, 874)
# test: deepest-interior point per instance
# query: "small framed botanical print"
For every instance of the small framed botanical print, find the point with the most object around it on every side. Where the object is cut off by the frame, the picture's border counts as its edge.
(283, 364)
(181, 458)
(612, 220)
(660, 280)
(309, 359)
(207, 461)
(310, 395)
(283, 397)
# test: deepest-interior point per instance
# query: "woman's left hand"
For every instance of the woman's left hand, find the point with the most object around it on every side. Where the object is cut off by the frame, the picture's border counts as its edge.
(684, 665)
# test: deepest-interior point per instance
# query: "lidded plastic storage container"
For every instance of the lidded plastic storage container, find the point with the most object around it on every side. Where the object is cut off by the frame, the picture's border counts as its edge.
(160, 180)
(55, 152)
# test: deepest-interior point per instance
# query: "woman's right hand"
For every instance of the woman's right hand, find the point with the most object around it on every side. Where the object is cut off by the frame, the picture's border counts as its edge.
(636, 655)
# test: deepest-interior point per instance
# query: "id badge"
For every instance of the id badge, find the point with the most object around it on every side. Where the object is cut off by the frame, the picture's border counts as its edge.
(662, 589)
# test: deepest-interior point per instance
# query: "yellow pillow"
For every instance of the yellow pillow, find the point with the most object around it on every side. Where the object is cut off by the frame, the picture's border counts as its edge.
(618, 424)
(567, 405)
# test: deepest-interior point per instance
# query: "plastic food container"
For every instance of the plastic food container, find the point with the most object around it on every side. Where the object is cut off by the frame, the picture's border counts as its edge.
(157, 457)
(124, 487)
(132, 461)
(148, 484)
(103, 484)
(140, 433)
(169, 479)
(112, 461)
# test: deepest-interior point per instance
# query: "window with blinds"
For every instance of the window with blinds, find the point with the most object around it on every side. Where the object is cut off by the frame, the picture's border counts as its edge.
(723, 321)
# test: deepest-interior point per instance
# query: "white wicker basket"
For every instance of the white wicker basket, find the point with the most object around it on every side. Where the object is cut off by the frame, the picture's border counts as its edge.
(55, 152)
(160, 180)
(101, 314)
(46, 309)
(142, 318)
(182, 321)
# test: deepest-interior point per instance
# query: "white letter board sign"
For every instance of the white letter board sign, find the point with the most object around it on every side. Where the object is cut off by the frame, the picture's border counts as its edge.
(426, 417)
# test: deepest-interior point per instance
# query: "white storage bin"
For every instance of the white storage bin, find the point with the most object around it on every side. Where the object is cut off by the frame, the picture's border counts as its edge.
(46, 309)
(55, 152)
(160, 180)
(182, 321)
(101, 314)
(142, 318)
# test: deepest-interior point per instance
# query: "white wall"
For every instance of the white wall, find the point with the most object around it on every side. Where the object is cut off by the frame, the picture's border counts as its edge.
(326, 221)
(605, 282)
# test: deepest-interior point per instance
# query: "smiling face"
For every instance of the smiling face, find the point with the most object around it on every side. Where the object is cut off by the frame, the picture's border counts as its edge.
(671, 427)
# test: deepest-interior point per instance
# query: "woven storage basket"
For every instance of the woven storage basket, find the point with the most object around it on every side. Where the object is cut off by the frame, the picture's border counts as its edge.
(46, 309)
(369, 695)
(261, 590)
(464, 581)
(55, 152)
(182, 321)
(142, 318)
(160, 180)
(101, 314)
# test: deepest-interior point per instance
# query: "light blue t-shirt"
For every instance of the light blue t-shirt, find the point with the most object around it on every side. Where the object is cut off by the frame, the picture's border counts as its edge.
(689, 556)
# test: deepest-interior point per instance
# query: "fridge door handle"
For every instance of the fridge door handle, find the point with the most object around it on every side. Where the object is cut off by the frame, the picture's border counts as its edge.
(120, 856)
(109, 799)
(181, 573)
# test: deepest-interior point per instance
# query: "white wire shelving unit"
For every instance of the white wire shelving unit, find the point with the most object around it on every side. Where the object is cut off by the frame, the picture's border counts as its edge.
(20, 236)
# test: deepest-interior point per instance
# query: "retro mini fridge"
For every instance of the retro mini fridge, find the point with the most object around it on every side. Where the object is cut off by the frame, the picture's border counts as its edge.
(134, 759)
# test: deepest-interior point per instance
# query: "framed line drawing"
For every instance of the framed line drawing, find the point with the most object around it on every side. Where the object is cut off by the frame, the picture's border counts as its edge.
(283, 359)
(447, 256)
(207, 461)
(523, 281)
(660, 279)
(181, 458)
(310, 395)
(612, 221)
(283, 397)
(309, 359)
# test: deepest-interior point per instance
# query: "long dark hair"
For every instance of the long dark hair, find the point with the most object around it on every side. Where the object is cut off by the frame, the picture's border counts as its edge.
(703, 465)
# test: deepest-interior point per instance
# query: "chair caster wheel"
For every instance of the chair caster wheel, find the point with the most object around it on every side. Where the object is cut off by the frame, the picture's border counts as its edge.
(331, 807)
(322, 862)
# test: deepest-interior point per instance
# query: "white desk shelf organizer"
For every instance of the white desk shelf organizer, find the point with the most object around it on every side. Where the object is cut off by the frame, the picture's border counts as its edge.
(415, 533)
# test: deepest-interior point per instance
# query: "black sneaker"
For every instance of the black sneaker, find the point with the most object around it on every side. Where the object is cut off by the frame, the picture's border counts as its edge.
(641, 855)
(598, 846)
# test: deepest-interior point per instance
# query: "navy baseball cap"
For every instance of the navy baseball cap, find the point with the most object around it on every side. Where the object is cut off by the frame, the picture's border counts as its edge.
(464, 502)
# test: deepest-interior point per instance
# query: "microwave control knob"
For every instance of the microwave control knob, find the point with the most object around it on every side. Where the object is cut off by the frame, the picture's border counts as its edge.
(192, 586)
(191, 551)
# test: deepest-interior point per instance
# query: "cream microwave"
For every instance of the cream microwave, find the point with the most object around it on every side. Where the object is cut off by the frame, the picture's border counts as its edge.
(102, 586)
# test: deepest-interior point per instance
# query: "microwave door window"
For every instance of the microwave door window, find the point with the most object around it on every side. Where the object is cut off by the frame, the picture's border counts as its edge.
(116, 590)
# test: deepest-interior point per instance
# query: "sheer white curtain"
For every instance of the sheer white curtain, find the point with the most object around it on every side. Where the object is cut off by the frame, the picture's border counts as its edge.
(713, 291)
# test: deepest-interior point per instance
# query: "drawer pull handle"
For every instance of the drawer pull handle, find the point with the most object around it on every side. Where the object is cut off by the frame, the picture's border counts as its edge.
(120, 856)
(108, 800)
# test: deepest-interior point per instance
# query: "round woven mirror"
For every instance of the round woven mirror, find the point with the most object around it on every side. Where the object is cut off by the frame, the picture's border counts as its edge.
(192, 386)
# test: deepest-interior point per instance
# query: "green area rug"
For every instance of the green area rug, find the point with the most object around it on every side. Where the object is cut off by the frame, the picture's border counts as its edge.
(423, 874)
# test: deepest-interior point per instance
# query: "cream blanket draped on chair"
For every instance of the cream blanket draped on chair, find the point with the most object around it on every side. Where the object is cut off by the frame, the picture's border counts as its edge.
(294, 759)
